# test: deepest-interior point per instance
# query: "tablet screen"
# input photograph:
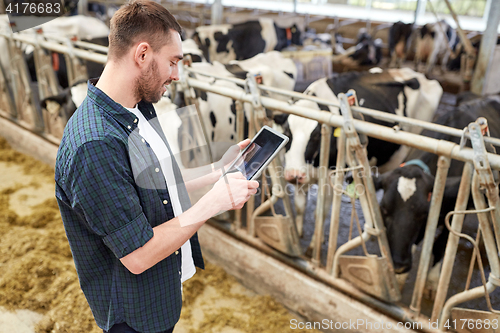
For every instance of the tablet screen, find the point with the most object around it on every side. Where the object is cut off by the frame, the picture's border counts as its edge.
(257, 153)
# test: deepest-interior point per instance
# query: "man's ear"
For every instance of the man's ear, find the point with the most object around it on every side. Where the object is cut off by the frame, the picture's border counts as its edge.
(143, 54)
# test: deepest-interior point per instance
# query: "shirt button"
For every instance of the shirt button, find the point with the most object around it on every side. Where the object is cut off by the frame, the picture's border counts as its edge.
(143, 141)
(129, 127)
(157, 170)
(165, 202)
(135, 120)
(180, 273)
(176, 252)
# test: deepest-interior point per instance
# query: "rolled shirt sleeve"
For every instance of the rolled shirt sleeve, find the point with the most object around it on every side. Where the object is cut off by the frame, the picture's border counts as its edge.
(104, 192)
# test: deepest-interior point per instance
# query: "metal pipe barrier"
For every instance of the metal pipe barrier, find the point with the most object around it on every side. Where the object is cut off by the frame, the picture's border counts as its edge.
(483, 177)
(319, 235)
(384, 116)
(430, 232)
(439, 147)
(337, 197)
(57, 47)
(446, 150)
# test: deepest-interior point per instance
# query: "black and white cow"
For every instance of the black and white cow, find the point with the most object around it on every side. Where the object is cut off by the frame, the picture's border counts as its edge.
(368, 51)
(242, 41)
(399, 40)
(432, 44)
(219, 112)
(398, 91)
(406, 200)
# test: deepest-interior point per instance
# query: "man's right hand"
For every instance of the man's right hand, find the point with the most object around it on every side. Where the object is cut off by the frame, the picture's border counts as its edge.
(232, 191)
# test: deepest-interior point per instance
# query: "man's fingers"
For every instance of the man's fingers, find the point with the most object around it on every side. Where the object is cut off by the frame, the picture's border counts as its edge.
(235, 175)
(243, 143)
(238, 175)
(253, 184)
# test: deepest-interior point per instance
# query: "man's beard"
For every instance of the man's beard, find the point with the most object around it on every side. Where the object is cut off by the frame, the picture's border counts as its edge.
(148, 87)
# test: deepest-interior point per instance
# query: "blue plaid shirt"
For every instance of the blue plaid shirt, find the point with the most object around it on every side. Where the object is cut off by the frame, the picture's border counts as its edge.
(107, 215)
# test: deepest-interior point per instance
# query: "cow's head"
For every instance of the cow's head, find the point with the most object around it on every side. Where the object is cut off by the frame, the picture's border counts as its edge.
(368, 51)
(302, 150)
(296, 170)
(404, 208)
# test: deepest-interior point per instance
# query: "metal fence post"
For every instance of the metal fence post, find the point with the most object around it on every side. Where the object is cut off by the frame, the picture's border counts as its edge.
(319, 234)
(430, 231)
(452, 244)
(337, 200)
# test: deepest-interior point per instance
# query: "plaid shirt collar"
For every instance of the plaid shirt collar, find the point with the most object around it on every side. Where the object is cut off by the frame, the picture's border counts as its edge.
(116, 110)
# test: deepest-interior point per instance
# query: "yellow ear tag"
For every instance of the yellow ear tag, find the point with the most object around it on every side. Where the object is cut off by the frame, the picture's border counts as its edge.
(336, 132)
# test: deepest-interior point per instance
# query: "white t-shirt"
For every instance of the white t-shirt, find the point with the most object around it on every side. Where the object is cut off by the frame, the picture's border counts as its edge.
(160, 149)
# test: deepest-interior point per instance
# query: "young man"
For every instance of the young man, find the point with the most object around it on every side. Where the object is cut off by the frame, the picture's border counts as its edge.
(124, 205)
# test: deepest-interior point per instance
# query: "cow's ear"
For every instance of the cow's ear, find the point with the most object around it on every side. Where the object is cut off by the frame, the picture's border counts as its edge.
(412, 83)
(379, 180)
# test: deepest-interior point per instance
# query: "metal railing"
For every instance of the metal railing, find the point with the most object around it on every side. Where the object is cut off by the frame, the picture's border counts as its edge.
(446, 150)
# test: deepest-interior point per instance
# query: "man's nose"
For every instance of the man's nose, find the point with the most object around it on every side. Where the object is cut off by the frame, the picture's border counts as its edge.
(175, 73)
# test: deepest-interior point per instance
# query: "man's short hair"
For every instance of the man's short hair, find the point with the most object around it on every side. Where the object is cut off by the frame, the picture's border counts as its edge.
(140, 20)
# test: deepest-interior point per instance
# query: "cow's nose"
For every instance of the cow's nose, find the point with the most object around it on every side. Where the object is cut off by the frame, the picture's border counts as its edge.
(401, 265)
(295, 176)
(401, 270)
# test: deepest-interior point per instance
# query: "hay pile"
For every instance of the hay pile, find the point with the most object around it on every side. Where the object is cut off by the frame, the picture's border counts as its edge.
(214, 302)
(37, 271)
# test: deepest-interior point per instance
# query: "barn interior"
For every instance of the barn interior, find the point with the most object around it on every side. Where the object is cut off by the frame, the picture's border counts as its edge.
(268, 272)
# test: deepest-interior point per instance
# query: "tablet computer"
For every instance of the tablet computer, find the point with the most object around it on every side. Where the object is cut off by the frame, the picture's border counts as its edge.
(259, 153)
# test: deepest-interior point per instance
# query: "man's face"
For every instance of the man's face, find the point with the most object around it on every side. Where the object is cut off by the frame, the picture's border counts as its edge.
(152, 82)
